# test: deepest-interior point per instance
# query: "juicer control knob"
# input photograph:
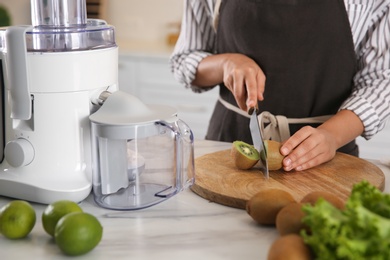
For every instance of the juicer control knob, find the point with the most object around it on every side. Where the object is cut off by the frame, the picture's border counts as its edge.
(19, 152)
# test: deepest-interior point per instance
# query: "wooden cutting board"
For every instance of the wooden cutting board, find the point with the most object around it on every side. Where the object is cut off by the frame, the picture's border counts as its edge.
(218, 180)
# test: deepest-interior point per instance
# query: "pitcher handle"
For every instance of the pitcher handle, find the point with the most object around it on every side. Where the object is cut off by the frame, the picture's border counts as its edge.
(184, 145)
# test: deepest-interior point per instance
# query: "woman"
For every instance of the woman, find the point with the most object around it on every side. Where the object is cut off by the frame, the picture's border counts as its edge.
(300, 59)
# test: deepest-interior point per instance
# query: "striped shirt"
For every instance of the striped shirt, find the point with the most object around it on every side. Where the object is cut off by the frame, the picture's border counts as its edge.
(370, 26)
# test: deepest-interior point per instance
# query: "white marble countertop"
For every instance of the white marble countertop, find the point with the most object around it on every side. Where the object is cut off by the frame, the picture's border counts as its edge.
(185, 226)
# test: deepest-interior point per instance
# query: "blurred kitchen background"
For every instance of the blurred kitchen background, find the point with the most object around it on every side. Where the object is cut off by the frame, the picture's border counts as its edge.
(146, 20)
(146, 31)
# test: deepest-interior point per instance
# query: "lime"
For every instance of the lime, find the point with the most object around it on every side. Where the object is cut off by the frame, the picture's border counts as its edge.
(55, 211)
(78, 233)
(17, 219)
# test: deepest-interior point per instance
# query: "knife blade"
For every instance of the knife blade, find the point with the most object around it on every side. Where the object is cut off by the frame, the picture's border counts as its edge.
(258, 141)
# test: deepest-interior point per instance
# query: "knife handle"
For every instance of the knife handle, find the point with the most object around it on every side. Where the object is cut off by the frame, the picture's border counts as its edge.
(254, 109)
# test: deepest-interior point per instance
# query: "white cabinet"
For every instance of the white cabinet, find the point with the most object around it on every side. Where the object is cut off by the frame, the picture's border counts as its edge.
(149, 78)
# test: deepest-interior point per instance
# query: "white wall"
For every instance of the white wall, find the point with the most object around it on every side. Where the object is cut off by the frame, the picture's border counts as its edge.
(19, 11)
(143, 19)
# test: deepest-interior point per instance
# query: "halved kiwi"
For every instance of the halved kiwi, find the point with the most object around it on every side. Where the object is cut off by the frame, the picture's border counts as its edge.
(274, 157)
(245, 156)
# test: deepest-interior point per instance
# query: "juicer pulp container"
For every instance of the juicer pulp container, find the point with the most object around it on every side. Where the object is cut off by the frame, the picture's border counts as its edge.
(142, 155)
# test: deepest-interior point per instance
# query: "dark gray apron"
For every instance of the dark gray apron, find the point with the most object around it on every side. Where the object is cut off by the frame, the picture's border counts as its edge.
(305, 49)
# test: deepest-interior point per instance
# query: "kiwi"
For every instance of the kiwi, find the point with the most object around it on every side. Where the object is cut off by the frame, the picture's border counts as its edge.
(313, 196)
(274, 157)
(245, 156)
(264, 206)
(291, 247)
(289, 219)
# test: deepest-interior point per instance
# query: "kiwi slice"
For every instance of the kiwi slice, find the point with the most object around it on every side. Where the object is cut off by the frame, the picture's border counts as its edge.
(245, 156)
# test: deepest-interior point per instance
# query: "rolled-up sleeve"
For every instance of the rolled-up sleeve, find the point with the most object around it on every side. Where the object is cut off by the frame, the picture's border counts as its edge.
(196, 41)
(370, 98)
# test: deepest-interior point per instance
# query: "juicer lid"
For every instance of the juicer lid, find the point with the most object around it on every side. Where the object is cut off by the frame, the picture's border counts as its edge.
(63, 26)
(121, 108)
(95, 34)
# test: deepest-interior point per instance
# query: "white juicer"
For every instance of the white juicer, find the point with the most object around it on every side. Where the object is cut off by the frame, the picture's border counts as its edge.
(51, 74)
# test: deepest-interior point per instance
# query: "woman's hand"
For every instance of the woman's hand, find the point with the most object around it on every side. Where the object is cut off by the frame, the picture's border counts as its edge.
(307, 148)
(241, 75)
(244, 78)
(310, 146)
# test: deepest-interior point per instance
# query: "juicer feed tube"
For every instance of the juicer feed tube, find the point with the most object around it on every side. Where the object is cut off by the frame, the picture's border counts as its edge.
(58, 13)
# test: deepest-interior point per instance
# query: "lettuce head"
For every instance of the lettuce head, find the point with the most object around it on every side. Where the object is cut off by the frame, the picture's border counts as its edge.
(360, 231)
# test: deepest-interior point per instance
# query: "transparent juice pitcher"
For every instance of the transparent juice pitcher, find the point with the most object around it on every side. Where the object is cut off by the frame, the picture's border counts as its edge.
(142, 155)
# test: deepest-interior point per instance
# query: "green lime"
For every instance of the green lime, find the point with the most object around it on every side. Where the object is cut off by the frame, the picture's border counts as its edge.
(78, 233)
(55, 211)
(17, 219)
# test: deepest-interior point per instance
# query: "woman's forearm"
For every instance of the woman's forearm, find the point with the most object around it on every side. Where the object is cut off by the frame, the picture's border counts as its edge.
(210, 71)
(344, 126)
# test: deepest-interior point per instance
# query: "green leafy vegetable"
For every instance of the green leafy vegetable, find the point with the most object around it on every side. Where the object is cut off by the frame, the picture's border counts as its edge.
(5, 19)
(360, 231)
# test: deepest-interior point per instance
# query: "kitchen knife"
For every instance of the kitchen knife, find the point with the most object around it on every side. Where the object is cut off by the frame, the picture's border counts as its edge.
(257, 139)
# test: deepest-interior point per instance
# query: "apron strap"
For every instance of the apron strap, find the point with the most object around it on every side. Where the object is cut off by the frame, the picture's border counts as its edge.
(278, 126)
(216, 14)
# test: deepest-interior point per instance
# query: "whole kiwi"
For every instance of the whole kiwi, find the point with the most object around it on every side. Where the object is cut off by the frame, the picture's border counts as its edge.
(274, 157)
(265, 205)
(245, 156)
(289, 219)
(313, 196)
(289, 247)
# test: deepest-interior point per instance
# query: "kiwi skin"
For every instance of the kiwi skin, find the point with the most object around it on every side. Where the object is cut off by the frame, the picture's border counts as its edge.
(313, 196)
(290, 247)
(289, 219)
(274, 157)
(264, 206)
(245, 156)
